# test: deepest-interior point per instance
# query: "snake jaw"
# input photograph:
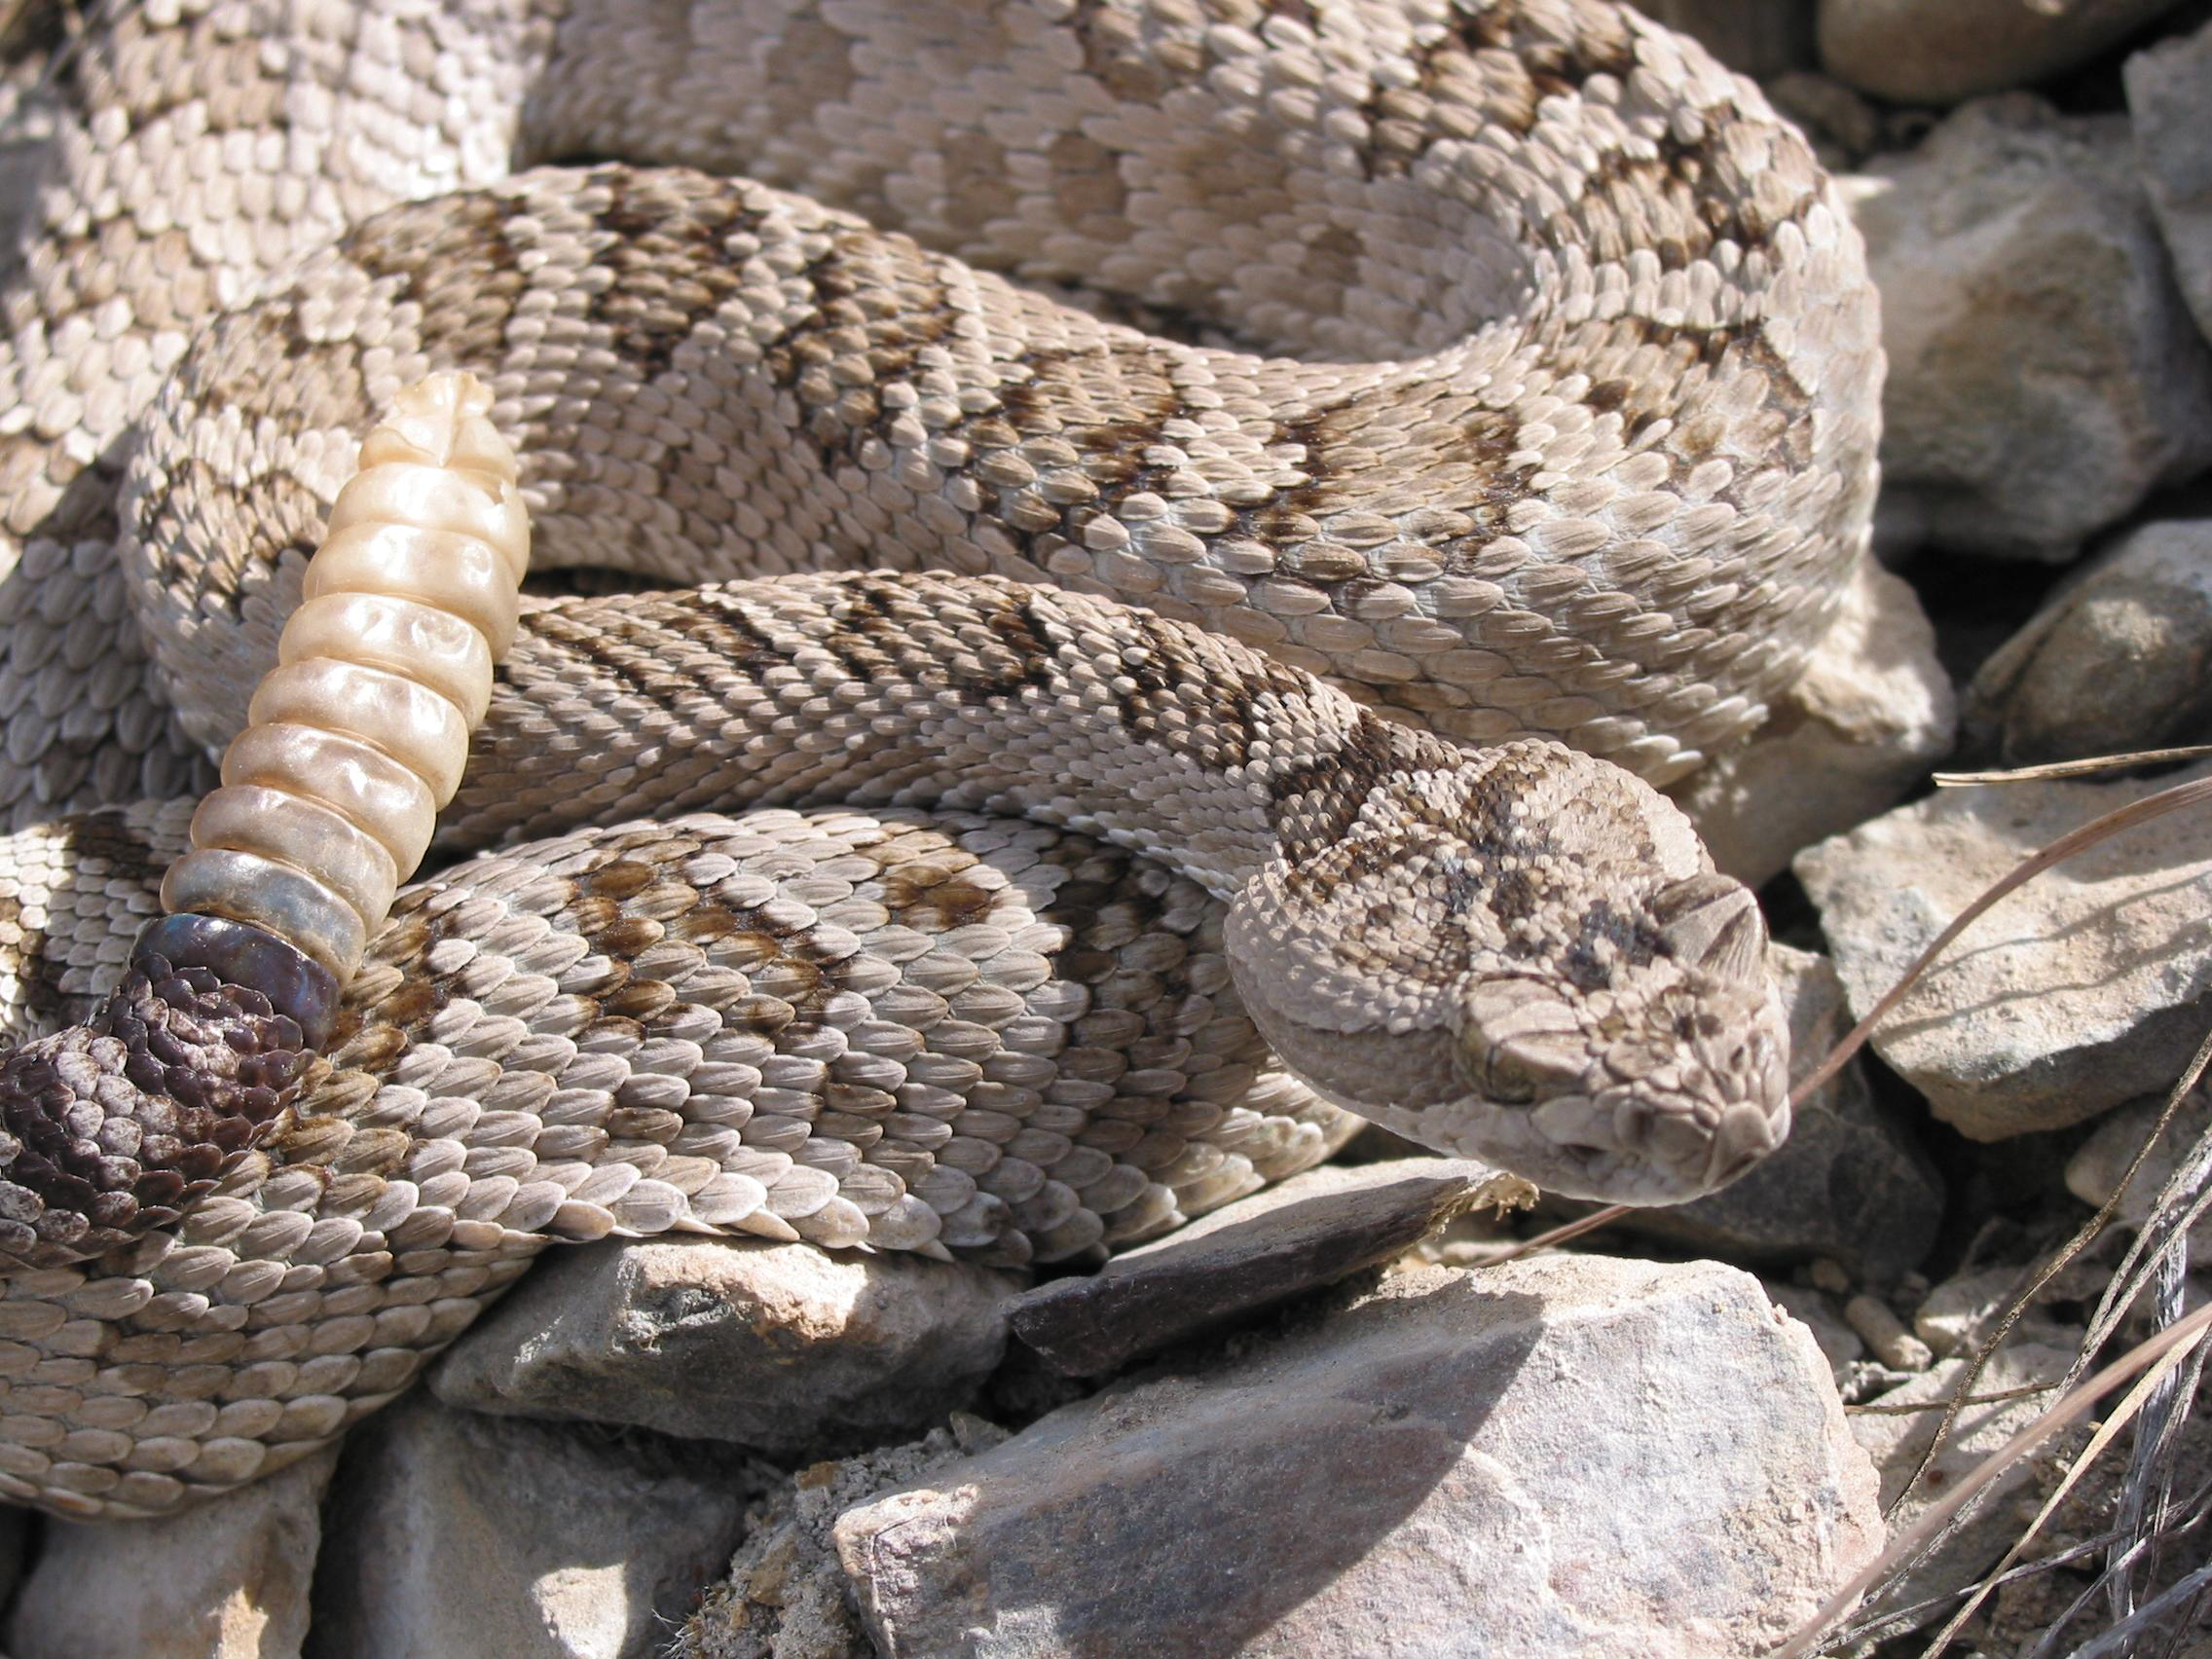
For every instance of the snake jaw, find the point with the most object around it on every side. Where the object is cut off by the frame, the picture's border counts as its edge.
(1690, 1103)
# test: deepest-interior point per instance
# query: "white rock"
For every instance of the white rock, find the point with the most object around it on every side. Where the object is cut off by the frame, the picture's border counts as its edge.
(1564, 1455)
(226, 1580)
(2085, 988)
(1873, 710)
(2044, 373)
(783, 1347)
(1941, 50)
(454, 1533)
(2120, 658)
(2170, 89)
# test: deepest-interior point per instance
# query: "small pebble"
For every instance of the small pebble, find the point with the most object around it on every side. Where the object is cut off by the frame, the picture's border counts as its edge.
(1884, 1332)
(1828, 1275)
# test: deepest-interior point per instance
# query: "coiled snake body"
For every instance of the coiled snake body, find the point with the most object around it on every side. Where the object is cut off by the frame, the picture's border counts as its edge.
(1565, 426)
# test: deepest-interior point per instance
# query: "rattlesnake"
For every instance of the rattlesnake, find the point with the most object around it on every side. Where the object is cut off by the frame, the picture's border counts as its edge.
(1570, 431)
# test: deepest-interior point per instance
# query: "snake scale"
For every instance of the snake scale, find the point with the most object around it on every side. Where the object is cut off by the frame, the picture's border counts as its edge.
(1430, 373)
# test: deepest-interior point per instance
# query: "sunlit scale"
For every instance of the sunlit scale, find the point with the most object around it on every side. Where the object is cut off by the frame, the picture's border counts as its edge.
(359, 735)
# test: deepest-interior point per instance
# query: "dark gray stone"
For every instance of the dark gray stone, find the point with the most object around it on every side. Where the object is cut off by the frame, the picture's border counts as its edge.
(1311, 1230)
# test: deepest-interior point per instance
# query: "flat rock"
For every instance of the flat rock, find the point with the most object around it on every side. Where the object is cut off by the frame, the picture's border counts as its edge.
(2044, 372)
(2119, 659)
(1937, 52)
(1872, 711)
(2097, 1165)
(1896, 1439)
(454, 1533)
(1311, 1230)
(1851, 1183)
(227, 1579)
(783, 1347)
(1545, 1457)
(2085, 988)
(2169, 88)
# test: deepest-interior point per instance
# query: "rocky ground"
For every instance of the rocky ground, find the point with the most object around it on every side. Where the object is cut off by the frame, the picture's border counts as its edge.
(1331, 1419)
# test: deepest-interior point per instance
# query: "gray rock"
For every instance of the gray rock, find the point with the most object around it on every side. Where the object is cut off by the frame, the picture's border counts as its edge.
(2044, 373)
(786, 1594)
(1311, 1230)
(226, 1580)
(2169, 88)
(2120, 658)
(1894, 1435)
(1871, 714)
(2096, 1166)
(452, 1533)
(783, 1347)
(2085, 988)
(1937, 52)
(16, 1528)
(1544, 1457)
(1755, 37)
(1850, 1183)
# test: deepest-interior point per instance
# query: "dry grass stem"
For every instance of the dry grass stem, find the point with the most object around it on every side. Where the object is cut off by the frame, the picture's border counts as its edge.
(2074, 768)
(2067, 1411)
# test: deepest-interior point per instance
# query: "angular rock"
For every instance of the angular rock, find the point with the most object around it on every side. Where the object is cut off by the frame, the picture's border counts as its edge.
(1754, 37)
(1863, 724)
(226, 1580)
(782, 1347)
(1311, 1230)
(1896, 1439)
(452, 1533)
(2096, 1166)
(2086, 987)
(1937, 52)
(2044, 373)
(1548, 1453)
(2169, 88)
(785, 1596)
(2120, 658)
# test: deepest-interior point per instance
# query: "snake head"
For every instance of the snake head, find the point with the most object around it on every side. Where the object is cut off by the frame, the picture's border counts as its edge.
(1526, 958)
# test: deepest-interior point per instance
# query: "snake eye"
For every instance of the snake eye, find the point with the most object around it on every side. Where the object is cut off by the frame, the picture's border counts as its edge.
(359, 735)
